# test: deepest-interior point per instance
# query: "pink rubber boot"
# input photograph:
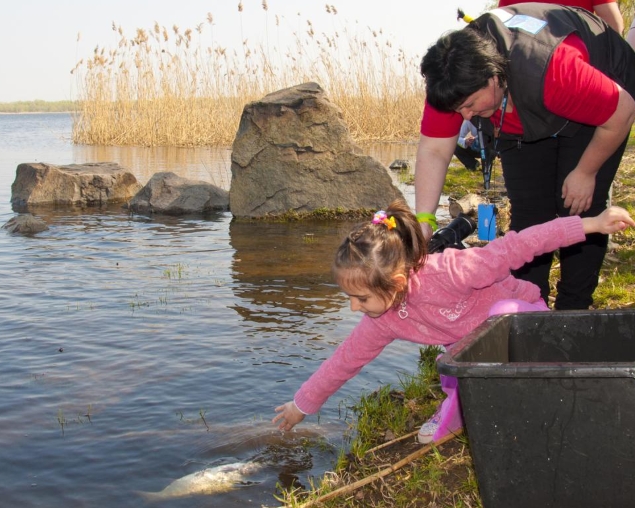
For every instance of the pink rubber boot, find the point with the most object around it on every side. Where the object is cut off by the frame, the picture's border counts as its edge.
(447, 418)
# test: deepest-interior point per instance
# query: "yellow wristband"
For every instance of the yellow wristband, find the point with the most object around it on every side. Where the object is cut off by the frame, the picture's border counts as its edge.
(428, 218)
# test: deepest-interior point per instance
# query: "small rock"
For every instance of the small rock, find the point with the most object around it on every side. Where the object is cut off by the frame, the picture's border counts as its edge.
(170, 194)
(399, 164)
(25, 224)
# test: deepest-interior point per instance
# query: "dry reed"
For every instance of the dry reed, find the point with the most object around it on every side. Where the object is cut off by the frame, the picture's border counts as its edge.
(182, 88)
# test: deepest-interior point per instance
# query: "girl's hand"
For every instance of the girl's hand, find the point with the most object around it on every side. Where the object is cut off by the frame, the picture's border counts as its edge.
(289, 416)
(611, 220)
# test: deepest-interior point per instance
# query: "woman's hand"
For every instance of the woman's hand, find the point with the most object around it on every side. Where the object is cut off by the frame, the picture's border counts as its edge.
(577, 191)
(288, 415)
(578, 187)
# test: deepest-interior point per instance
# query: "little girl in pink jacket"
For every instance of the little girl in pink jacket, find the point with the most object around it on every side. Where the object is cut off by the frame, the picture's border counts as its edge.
(430, 299)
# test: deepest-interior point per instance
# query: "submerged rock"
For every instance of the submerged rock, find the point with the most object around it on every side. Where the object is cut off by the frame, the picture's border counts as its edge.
(25, 224)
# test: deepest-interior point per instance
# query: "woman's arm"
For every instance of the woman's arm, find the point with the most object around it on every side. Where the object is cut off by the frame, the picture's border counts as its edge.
(433, 158)
(576, 90)
(579, 185)
(610, 12)
(630, 36)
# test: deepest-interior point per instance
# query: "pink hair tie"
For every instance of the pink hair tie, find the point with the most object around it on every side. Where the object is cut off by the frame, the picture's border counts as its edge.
(380, 217)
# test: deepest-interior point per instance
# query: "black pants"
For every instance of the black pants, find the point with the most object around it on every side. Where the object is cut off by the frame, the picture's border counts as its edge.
(534, 174)
(467, 156)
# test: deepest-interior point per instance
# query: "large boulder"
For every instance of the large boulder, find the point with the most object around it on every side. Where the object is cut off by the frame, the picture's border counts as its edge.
(92, 184)
(293, 152)
(169, 194)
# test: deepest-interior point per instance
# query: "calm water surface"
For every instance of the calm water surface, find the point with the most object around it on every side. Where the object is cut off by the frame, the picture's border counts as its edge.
(136, 350)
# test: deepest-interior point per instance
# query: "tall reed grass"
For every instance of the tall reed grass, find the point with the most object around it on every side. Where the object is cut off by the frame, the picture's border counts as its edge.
(181, 87)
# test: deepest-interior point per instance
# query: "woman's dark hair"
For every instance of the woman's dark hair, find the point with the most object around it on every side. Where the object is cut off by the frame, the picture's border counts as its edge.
(372, 254)
(460, 64)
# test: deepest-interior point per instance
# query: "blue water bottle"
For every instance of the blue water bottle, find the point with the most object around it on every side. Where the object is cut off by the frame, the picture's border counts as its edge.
(486, 222)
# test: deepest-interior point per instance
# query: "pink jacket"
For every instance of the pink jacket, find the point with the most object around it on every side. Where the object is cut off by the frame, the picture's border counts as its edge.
(447, 298)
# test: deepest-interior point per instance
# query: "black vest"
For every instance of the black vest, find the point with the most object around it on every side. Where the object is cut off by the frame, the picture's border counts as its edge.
(529, 55)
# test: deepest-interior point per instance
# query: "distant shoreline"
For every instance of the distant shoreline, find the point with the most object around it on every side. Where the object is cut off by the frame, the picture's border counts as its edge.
(38, 106)
(35, 112)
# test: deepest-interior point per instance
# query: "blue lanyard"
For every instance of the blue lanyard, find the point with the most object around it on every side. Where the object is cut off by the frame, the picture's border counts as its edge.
(486, 161)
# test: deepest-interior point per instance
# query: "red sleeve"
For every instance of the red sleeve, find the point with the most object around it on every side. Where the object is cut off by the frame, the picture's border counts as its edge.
(585, 4)
(576, 90)
(438, 124)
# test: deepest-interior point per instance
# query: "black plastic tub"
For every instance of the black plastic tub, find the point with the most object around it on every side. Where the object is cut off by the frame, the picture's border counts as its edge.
(548, 400)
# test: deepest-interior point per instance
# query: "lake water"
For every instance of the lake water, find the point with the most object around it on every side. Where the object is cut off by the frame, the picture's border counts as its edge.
(135, 350)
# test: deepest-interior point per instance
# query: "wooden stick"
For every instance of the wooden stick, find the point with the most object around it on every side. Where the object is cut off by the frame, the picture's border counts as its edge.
(388, 443)
(384, 472)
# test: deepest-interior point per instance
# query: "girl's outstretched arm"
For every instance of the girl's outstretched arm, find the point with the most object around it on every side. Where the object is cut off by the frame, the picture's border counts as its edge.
(611, 220)
(288, 415)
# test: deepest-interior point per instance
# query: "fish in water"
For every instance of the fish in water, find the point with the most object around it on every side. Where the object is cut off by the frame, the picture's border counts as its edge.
(213, 480)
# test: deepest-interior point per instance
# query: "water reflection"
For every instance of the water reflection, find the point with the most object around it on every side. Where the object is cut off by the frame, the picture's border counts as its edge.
(296, 256)
(282, 277)
(209, 164)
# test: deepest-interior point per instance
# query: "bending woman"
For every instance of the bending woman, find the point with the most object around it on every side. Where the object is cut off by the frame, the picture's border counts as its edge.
(553, 86)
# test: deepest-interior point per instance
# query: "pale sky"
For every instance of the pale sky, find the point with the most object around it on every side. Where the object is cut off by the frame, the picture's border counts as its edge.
(39, 38)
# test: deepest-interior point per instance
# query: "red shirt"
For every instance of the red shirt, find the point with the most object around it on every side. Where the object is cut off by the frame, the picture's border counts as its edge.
(573, 89)
(585, 4)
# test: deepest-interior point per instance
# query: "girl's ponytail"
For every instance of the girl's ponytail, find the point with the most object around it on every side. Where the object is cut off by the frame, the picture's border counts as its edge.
(389, 244)
(409, 230)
